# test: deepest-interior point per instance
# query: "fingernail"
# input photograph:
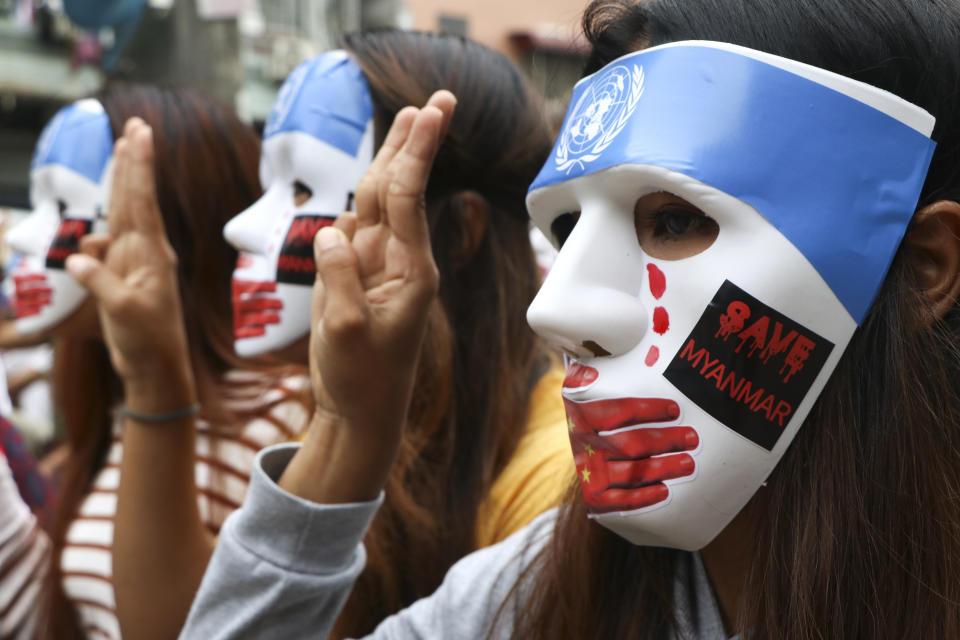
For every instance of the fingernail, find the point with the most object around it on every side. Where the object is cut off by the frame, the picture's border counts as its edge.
(330, 238)
(692, 439)
(673, 410)
(143, 138)
(686, 465)
(79, 264)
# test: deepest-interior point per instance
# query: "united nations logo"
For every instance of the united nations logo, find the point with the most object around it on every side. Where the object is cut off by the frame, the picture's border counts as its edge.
(599, 116)
(284, 100)
(47, 138)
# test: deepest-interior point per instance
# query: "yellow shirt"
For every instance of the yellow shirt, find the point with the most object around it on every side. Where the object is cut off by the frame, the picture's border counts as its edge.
(540, 471)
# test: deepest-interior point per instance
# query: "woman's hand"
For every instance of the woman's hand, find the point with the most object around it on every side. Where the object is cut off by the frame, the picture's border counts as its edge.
(376, 281)
(132, 273)
(160, 545)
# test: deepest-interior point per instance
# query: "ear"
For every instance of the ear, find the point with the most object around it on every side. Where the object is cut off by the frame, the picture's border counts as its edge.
(935, 239)
(472, 209)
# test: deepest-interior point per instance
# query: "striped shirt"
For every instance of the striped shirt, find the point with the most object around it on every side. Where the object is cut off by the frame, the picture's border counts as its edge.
(222, 471)
(224, 462)
(24, 549)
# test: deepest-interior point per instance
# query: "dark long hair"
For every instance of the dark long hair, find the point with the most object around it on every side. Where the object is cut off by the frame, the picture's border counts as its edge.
(206, 172)
(480, 360)
(857, 533)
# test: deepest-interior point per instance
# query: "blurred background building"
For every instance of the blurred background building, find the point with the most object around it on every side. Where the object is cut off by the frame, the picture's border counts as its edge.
(55, 51)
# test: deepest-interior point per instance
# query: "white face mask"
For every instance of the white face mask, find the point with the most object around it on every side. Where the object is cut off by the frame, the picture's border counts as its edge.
(690, 376)
(68, 190)
(318, 143)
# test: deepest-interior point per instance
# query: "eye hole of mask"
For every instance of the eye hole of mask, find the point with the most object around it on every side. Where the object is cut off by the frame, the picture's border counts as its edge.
(562, 226)
(62, 207)
(670, 228)
(301, 193)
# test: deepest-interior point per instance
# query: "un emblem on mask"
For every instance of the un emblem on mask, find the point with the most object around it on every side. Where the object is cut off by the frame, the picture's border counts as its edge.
(285, 98)
(47, 137)
(599, 116)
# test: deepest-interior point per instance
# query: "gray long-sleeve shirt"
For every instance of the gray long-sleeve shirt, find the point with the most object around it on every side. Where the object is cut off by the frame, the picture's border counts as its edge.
(283, 568)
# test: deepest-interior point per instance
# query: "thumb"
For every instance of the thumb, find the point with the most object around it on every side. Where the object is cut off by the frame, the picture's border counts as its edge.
(338, 270)
(95, 277)
(96, 244)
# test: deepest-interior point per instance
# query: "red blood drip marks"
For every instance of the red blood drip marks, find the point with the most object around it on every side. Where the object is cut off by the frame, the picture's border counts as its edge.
(661, 320)
(652, 356)
(658, 281)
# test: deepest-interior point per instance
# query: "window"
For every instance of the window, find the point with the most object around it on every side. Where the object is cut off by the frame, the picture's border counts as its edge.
(452, 25)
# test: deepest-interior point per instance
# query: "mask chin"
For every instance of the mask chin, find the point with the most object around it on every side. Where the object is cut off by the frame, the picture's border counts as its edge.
(66, 297)
(292, 325)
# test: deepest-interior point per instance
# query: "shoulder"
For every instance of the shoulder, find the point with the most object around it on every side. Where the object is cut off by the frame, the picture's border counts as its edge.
(545, 433)
(505, 560)
(538, 474)
(271, 409)
(546, 401)
(482, 588)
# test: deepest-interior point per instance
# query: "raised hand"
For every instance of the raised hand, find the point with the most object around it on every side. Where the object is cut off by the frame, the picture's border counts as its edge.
(132, 273)
(376, 282)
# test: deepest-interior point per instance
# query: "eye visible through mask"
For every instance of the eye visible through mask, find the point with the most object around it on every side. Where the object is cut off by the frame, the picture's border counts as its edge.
(670, 228)
(667, 226)
(301, 193)
(562, 226)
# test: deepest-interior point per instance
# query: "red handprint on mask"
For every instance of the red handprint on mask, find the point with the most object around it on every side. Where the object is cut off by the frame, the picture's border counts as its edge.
(254, 307)
(32, 293)
(626, 470)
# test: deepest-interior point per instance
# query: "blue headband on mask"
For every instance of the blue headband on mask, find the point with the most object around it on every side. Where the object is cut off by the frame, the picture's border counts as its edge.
(837, 177)
(77, 138)
(326, 97)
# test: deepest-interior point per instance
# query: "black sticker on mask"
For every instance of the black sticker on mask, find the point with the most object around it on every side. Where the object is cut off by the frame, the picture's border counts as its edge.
(295, 264)
(67, 240)
(748, 365)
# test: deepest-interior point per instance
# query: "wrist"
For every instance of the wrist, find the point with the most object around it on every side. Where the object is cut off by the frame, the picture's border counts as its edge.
(160, 390)
(339, 464)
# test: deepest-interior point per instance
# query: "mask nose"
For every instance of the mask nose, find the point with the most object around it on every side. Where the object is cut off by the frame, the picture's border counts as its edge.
(251, 229)
(17, 238)
(30, 236)
(589, 304)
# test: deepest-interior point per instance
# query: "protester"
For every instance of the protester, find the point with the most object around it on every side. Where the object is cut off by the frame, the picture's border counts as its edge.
(26, 502)
(854, 533)
(486, 433)
(244, 405)
(33, 487)
(23, 554)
